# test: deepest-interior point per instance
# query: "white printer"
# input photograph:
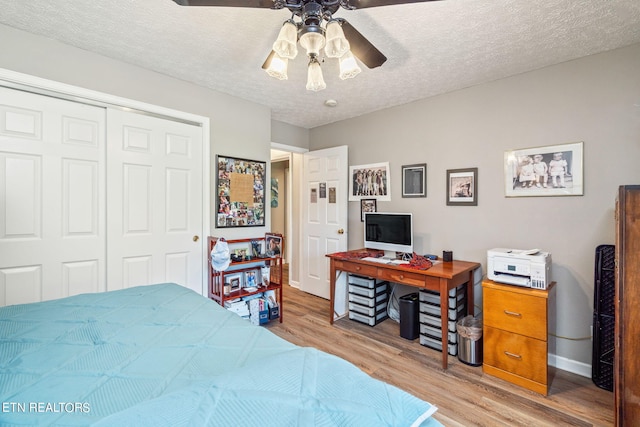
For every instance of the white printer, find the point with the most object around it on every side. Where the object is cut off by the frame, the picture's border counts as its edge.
(528, 268)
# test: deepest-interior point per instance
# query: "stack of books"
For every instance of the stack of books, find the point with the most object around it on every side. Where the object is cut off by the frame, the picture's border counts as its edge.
(237, 306)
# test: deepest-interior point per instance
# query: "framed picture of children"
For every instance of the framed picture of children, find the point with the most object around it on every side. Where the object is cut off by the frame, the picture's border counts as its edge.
(554, 170)
(273, 245)
(462, 187)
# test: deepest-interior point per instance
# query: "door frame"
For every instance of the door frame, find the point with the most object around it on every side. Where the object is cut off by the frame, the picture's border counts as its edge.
(26, 82)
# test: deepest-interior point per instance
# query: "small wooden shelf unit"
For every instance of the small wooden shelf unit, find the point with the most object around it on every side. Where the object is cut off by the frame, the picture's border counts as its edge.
(216, 278)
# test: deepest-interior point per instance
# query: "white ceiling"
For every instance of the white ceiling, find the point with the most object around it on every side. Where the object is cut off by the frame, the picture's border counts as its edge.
(432, 47)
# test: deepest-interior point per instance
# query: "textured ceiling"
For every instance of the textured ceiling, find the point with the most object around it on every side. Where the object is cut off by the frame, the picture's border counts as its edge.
(432, 47)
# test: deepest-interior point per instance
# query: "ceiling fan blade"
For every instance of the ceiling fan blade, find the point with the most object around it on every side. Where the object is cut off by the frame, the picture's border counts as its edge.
(361, 47)
(267, 61)
(362, 4)
(266, 4)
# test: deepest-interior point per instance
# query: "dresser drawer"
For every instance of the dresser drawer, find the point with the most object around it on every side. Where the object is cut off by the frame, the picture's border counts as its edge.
(409, 278)
(515, 312)
(361, 269)
(517, 354)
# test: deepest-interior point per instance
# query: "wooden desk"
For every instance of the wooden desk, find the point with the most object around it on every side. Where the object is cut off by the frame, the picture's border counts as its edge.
(441, 277)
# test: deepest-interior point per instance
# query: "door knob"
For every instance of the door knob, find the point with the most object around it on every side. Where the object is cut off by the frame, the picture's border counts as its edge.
(196, 238)
(341, 231)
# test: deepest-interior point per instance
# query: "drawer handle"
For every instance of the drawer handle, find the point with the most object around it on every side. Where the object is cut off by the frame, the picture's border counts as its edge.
(357, 268)
(401, 276)
(512, 313)
(513, 355)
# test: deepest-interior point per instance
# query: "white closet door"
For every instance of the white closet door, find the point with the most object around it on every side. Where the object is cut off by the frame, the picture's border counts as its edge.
(52, 222)
(154, 201)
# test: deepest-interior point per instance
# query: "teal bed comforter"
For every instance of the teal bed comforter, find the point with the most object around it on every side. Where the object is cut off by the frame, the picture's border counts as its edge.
(162, 355)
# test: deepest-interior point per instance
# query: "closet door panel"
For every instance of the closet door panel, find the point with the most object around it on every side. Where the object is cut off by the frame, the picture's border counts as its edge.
(52, 222)
(155, 217)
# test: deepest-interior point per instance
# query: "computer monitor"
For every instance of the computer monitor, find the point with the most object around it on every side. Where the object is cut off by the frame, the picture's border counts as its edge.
(389, 232)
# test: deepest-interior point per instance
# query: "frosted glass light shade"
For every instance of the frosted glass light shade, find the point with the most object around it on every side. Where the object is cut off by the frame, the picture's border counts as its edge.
(285, 45)
(337, 44)
(312, 42)
(278, 67)
(315, 80)
(348, 66)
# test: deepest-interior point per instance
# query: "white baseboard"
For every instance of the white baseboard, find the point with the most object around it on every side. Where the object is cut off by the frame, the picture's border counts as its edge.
(294, 284)
(570, 365)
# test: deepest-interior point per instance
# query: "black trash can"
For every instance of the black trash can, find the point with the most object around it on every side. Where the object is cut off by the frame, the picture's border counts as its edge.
(409, 309)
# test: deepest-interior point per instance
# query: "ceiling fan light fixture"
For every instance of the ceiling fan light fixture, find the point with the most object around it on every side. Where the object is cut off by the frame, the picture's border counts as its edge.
(286, 43)
(348, 66)
(337, 44)
(312, 39)
(315, 80)
(278, 67)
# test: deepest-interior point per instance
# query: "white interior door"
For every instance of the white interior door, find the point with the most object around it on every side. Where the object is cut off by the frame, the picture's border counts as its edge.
(325, 217)
(154, 201)
(52, 199)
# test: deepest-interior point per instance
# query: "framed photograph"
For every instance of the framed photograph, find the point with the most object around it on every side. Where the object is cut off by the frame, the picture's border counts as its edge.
(462, 187)
(554, 170)
(367, 205)
(370, 181)
(235, 280)
(414, 180)
(273, 245)
(240, 192)
(252, 279)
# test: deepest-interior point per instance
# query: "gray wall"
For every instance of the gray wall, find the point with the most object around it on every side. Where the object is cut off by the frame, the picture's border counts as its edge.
(230, 135)
(594, 99)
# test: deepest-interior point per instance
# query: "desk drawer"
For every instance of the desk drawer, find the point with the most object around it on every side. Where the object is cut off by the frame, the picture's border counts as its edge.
(515, 312)
(517, 354)
(407, 277)
(361, 269)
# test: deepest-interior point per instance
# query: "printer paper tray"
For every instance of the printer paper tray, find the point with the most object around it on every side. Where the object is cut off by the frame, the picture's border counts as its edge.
(512, 280)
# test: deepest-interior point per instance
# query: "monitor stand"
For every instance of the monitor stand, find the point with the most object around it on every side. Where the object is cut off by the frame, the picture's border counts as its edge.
(390, 255)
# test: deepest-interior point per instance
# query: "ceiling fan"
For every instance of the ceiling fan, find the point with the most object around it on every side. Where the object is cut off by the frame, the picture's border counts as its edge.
(307, 26)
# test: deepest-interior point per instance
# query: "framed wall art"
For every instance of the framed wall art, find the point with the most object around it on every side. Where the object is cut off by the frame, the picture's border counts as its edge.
(553, 170)
(462, 187)
(367, 205)
(414, 180)
(370, 181)
(240, 194)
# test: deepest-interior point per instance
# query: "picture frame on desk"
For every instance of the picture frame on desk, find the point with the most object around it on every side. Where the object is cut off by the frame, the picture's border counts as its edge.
(553, 170)
(462, 187)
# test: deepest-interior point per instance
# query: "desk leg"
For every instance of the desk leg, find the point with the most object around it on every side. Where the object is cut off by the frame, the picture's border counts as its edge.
(332, 289)
(444, 317)
(470, 298)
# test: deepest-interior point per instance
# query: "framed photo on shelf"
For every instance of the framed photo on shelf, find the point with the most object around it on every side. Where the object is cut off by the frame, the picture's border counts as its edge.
(273, 245)
(234, 280)
(370, 181)
(252, 278)
(462, 187)
(240, 192)
(414, 180)
(367, 205)
(553, 170)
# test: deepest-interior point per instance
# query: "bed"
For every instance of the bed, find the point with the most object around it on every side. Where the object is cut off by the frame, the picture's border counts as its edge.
(162, 355)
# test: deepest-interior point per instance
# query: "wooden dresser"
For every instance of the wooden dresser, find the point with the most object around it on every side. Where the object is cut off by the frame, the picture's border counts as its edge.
(626, 372)
(515, 325)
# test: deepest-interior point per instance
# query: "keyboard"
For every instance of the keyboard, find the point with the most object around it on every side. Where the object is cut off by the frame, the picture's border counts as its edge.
(381, 260)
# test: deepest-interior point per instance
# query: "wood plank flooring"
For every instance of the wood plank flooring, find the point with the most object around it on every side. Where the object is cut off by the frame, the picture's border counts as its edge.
(463, 394)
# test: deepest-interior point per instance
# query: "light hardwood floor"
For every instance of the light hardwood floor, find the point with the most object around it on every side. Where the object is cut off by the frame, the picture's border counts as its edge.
(463, 394)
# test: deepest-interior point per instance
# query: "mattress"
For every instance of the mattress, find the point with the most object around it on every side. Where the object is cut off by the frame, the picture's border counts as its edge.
(162, 355)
